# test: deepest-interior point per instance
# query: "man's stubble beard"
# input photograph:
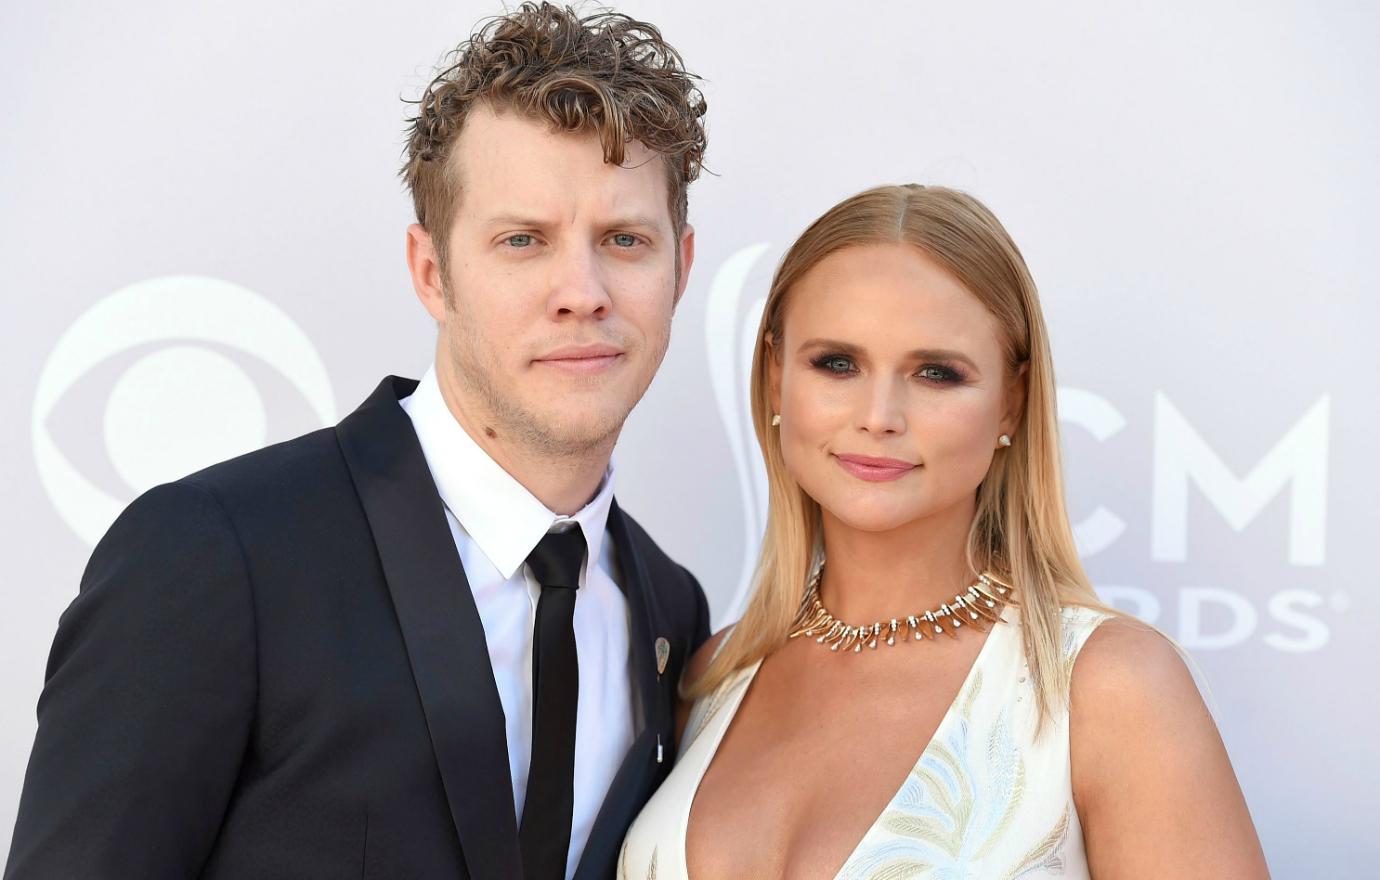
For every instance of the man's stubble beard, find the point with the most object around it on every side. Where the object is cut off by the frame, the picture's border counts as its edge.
(529, 430)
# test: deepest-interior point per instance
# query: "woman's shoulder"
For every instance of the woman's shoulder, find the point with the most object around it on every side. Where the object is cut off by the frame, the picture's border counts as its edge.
(1129, 682)
(1124, 658)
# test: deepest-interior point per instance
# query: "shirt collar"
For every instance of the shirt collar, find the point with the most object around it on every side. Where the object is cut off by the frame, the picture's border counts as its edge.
(504, 519)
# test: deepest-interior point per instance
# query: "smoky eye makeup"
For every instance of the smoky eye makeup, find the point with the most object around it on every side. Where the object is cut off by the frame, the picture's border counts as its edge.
(942, 374)
(843, 365)
(833, 362)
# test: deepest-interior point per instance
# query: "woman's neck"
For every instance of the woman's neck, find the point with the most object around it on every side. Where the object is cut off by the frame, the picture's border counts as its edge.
(880, 575)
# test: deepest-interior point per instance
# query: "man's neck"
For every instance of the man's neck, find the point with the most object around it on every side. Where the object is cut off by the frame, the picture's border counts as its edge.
(564, 484)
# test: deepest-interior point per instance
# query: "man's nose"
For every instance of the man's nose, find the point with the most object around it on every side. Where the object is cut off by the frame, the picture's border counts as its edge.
(578, 287)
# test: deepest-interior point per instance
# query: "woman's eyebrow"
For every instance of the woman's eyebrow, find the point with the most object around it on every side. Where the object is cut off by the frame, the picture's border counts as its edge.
(833, 345)
(943, 354)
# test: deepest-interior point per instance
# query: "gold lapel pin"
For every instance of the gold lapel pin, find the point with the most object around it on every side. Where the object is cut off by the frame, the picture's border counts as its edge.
(663, 655)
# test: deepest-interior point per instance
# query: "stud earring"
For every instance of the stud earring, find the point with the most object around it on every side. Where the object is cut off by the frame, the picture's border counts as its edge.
(776, 420)
(1004, 440)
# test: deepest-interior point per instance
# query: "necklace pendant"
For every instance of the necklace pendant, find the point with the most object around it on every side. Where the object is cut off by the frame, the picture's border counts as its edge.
(953, 618)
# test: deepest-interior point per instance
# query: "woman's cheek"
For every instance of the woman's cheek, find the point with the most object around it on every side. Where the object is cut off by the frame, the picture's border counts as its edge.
(957, 446)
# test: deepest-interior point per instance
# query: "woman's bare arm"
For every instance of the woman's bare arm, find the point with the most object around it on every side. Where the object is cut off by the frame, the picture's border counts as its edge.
(1154, 787)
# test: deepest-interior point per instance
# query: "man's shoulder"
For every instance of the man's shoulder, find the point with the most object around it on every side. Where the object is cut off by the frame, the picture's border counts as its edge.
(293, 481)
(314, 459)
(266, 495)
(292, 464)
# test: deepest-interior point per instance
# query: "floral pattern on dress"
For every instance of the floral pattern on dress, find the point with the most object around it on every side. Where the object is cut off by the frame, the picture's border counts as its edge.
(942, 823)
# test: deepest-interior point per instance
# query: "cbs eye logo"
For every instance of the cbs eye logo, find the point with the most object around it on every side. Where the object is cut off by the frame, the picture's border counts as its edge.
(160, 379)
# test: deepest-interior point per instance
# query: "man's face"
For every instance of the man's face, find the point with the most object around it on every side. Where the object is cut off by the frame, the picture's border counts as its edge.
(560, 285)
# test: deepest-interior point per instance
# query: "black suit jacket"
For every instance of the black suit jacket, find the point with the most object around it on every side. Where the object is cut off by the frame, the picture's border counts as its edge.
(275, 669)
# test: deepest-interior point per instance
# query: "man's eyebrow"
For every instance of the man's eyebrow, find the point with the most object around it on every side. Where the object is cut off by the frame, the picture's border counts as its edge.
(533, 221)
(634, 222)
(919, 354)
(525, 221)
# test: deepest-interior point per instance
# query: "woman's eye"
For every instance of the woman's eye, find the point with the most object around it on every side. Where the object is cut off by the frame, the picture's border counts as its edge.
(625, 240)
(521, 240)
(834, 363)
(937, 374)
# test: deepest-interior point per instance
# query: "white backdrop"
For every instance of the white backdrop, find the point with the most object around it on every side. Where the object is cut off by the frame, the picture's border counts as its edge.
(201, 246)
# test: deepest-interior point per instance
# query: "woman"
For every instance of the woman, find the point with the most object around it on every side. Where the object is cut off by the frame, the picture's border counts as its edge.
(901, 697)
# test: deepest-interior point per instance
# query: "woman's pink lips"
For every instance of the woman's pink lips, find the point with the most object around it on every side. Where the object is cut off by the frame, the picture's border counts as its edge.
(874, 470)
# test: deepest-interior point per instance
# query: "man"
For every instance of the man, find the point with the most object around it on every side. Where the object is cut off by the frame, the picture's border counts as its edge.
(425, 642)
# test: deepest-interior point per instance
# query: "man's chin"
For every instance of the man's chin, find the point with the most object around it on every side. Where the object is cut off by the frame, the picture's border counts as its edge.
(578, 432)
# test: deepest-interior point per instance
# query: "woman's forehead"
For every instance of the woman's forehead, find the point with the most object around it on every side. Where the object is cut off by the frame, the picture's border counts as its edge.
(885, 292)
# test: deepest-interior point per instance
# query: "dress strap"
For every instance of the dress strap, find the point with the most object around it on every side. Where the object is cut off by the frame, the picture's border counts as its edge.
(1078, 624)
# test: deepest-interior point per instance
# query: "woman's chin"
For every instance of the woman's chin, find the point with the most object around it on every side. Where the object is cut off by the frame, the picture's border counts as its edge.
(872, 517)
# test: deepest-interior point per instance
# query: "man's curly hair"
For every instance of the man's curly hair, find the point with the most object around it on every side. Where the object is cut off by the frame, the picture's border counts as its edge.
(606, 73)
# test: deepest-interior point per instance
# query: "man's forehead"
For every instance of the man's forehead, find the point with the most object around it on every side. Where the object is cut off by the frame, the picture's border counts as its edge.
(508, 157)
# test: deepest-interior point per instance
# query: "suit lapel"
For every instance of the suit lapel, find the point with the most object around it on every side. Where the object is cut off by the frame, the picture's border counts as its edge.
(653, 711)
(440, 625)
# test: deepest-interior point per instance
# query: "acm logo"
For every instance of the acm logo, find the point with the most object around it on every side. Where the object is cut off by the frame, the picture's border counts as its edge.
(182, 403)
(1182, 459)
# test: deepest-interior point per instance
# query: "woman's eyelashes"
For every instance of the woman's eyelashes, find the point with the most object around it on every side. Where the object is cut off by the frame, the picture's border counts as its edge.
(844, 365)
(838, 364)
(941, 374)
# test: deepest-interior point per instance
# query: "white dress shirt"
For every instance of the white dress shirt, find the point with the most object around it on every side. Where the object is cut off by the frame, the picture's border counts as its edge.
(496, 523)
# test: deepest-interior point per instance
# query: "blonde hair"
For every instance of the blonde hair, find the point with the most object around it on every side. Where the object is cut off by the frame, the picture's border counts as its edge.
(1021, 529)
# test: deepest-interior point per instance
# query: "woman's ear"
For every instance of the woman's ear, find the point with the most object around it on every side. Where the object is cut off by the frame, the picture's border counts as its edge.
(1014, 404)
(773, 370)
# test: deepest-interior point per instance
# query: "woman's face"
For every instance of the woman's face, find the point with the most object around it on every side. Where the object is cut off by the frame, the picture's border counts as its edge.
(890, 381)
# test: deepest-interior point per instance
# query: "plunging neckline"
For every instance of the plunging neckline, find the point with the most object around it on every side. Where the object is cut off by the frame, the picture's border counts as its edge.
(744, 684)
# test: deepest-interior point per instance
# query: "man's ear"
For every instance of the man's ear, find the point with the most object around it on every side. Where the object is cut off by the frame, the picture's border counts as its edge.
(1016, 390)
(687, 258)
(425, 267)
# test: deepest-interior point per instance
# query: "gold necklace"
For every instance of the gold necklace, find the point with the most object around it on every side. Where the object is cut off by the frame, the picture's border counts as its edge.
(980, 603)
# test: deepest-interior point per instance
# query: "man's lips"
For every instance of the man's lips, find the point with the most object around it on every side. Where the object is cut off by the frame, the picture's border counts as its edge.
(582, 358)
(874, 470)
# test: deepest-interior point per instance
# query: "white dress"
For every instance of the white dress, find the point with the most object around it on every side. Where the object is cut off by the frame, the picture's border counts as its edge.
(985, 800)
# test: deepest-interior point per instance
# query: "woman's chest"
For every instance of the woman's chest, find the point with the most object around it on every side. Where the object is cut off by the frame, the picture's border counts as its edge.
(802, 774)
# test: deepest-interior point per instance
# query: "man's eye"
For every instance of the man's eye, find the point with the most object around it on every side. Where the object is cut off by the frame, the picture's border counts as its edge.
(625, 240)
(521, 240)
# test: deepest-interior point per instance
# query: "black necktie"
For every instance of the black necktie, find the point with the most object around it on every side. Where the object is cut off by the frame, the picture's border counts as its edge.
(550, 801)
